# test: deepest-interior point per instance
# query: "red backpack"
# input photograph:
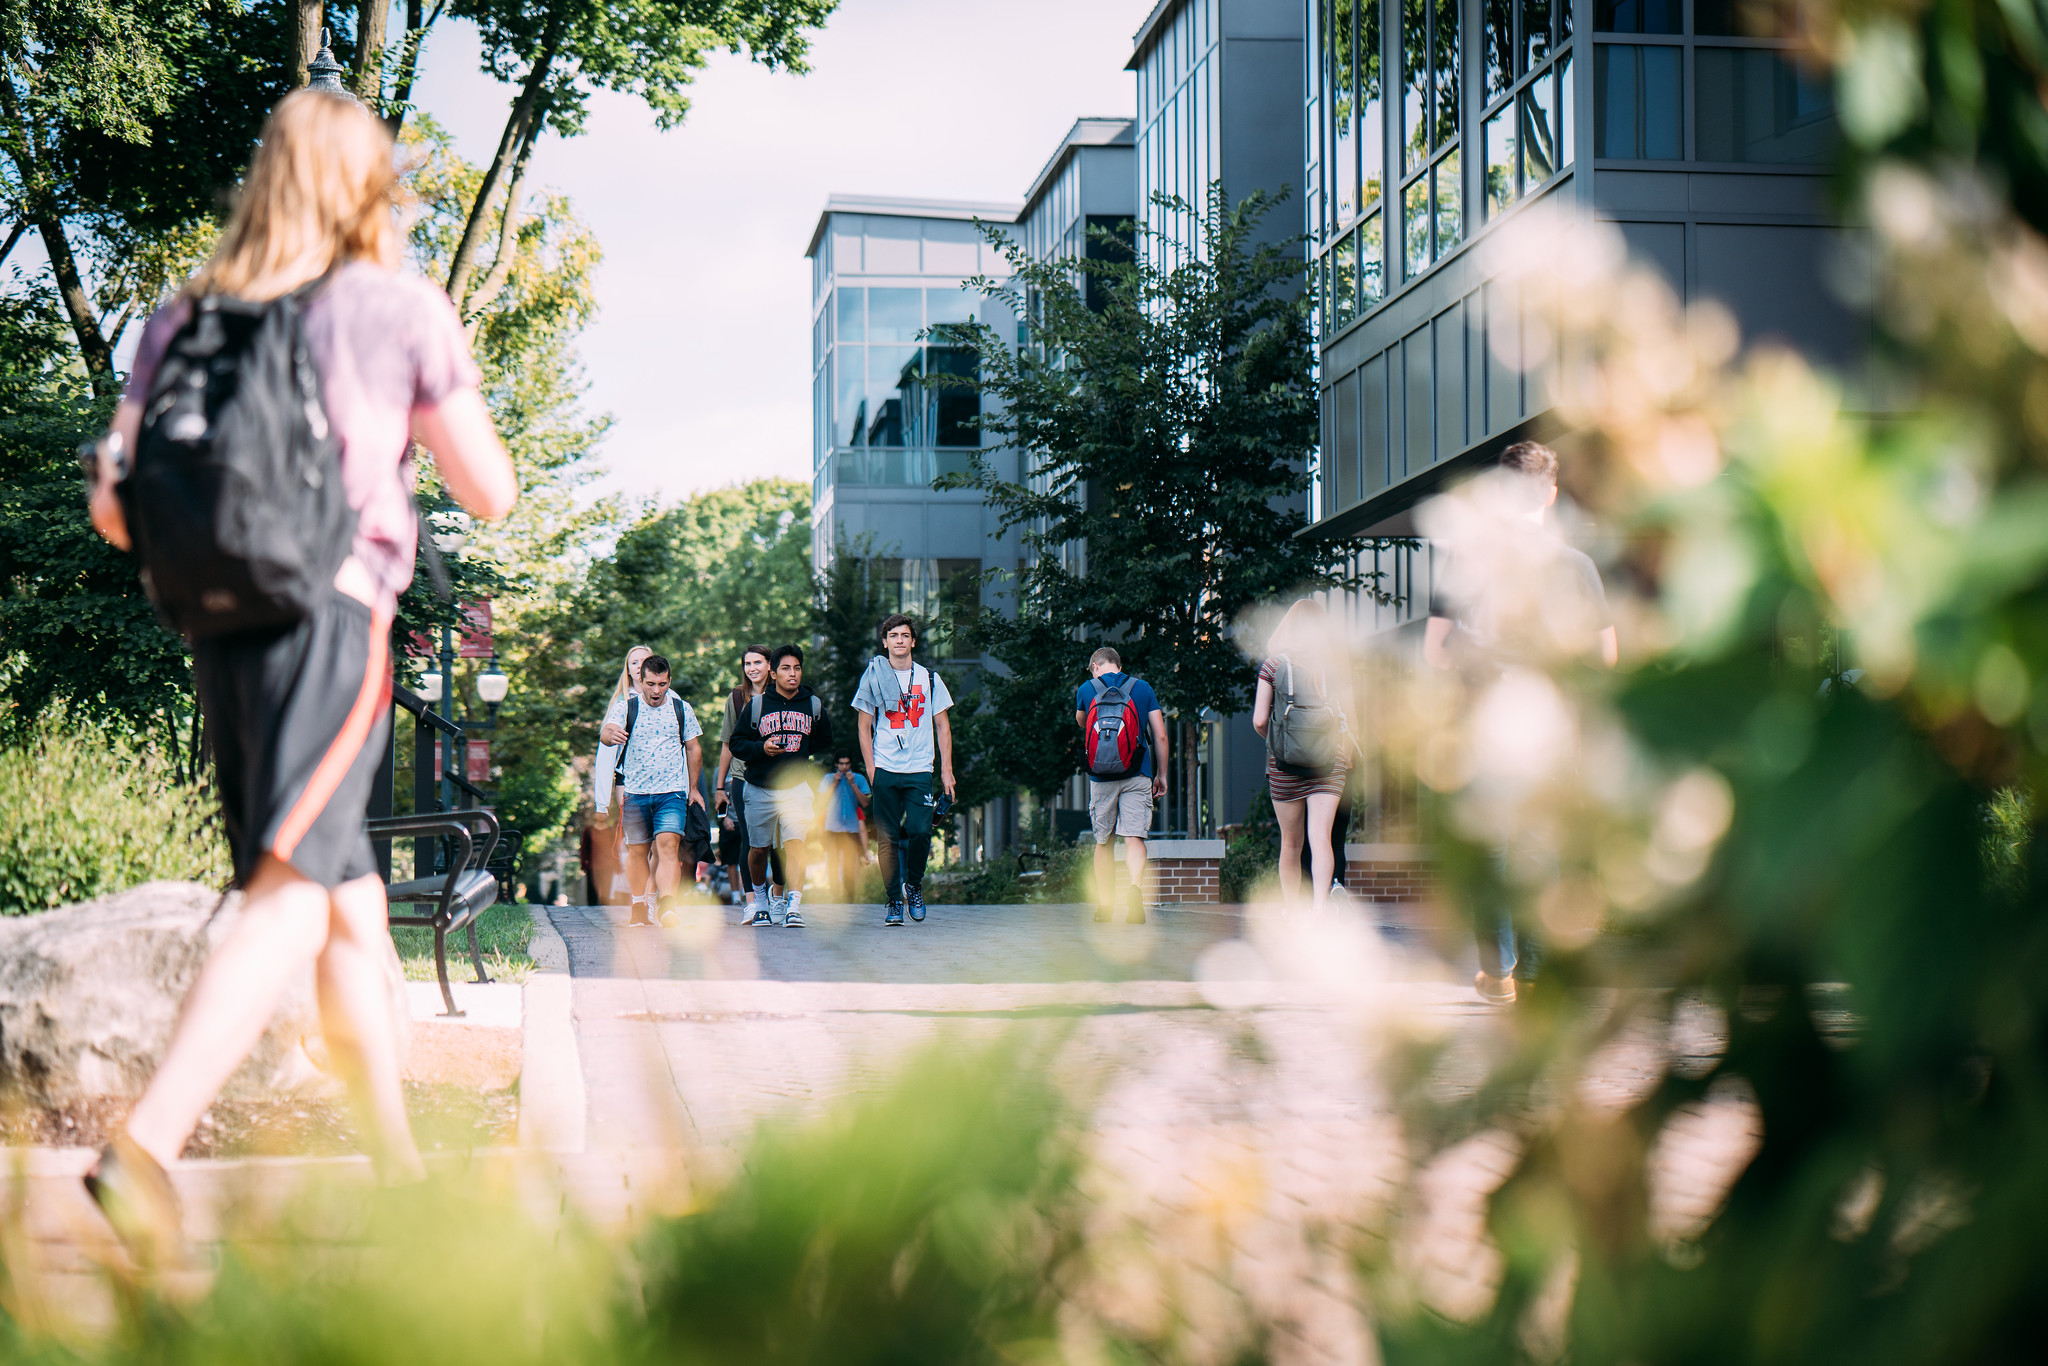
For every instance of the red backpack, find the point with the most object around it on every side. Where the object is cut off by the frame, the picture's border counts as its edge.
(1114, 735)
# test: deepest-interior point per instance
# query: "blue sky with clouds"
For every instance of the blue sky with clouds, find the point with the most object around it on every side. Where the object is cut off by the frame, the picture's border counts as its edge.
(701, 351)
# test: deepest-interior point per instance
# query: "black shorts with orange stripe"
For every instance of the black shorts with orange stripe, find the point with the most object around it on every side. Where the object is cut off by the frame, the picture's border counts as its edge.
(299, 720)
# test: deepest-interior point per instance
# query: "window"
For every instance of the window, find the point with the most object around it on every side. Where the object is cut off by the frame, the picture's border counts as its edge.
(1525, 142)
(1750, 99)
(1352, 275)
(1430, 105)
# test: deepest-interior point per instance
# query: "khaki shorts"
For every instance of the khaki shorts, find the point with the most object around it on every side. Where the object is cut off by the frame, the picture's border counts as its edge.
(1123, 807)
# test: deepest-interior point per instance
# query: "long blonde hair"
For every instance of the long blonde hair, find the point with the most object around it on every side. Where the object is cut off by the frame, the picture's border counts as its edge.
(320, 193)
(626, 670)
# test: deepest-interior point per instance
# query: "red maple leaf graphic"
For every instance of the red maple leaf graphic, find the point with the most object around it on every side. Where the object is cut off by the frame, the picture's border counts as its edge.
(909, 712)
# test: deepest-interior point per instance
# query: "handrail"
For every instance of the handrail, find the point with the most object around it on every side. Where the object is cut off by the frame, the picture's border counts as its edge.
(417, 705)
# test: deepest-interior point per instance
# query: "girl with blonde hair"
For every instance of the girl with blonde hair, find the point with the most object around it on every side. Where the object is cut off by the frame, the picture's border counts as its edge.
(604, 780)
(299, 715)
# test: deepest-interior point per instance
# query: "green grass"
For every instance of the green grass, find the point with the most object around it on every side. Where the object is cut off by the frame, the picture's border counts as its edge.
(504, 933)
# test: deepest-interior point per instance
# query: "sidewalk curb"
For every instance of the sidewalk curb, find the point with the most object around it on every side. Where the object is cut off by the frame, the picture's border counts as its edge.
(552, 1107)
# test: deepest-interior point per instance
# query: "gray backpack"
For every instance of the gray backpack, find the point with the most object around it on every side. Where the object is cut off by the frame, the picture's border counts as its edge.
(1305, 732)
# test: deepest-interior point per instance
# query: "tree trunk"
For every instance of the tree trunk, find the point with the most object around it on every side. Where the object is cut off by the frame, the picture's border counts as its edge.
(309, 14)
(371, 16)
(472, 309)
(518, 126)
(40, 209)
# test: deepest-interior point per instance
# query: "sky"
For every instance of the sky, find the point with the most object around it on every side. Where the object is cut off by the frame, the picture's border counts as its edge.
(701, 349)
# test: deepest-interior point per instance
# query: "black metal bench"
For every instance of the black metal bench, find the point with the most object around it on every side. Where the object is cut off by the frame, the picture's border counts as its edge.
(458, 892)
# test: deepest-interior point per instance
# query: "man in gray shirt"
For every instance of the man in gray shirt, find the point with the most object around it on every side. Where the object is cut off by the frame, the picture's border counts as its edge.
(901, 706)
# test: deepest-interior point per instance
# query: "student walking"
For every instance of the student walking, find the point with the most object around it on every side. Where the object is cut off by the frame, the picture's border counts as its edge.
(1302, 711)
(605, 782)
(659, 759)
(290, 636)
(901, 708)
(779, 732)
(844, 796)
(1515, 597)
(731, 792)
(1123, 734)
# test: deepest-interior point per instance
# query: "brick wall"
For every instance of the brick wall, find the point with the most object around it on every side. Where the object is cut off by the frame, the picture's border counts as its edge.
(1184, 872)
(1388, 872)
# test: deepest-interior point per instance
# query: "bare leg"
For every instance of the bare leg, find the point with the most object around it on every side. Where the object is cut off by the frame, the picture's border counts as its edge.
(283, 925)
(636, 869)
(1134, 860)
(757, 865)
(355, 1017)
(793, 854)
(1292, 816)
(1322, 859)
(668, 867)
(1105, 874)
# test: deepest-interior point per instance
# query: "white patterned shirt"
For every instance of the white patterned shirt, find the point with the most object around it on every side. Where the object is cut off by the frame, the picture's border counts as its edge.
(653, 761)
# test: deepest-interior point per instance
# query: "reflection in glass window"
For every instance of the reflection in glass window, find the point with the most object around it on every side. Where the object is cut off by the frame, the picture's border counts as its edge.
(895, 315)
(1567, 126)
(1372, 252)
(1415, 228)
(1535, 34)
(1638, 93)
(1638, 16)
(1502, 182)
(894, 381)
(1498, 45)
(1344, 113)
(1372, 142)
(955, 402)
(949, 306)
(1539, 133)
(1414, 84)
(1757, 105)
(1344, 282)
(1450, 204)
(849, 399)
(851, 328)
(1732, 18)
(1445, 51)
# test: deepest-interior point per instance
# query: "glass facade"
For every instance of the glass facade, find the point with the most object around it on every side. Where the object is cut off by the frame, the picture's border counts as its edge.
(1713, 94)
(1391, 189)
(1177, 129)
(887, 404)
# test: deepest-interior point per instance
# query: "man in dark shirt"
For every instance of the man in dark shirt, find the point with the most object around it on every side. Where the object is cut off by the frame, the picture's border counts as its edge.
(776, 736)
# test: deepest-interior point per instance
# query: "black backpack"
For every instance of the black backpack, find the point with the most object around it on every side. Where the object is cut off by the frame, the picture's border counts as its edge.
(235, 502)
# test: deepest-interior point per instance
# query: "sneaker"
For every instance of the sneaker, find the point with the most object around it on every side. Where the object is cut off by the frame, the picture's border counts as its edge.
(639, 915)
(670, 917)
(1499, 991)
(895, 915)
(762, 915)
(1102, 915)
(793, 918)
(135, 1193)
(914, 898)
(1137, 907)
(779, 902)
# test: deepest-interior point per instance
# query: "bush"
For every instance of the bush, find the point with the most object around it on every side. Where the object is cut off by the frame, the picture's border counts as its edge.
(86, 812)
(1254, 852)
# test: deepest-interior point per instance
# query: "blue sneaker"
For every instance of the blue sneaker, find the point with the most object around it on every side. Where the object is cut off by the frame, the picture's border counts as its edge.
(895, 915)
(915, 897)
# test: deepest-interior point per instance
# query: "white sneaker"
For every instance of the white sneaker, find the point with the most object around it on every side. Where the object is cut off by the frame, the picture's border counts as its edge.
(779, 902)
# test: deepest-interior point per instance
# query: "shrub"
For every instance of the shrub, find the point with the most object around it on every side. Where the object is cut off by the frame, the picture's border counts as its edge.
(86, 812)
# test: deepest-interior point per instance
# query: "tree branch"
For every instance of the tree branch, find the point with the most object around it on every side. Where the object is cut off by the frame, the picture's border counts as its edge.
(508, 244)
(371, 18)
(20, 230)
(522, 123)
(39, 207)
(417, 22)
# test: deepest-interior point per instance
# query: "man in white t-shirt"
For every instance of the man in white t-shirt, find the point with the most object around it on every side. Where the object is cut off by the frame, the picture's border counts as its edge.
(659, 765)
(901, 706)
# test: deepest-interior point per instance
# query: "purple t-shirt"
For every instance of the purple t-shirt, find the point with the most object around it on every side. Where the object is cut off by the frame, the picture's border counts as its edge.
(385, 344)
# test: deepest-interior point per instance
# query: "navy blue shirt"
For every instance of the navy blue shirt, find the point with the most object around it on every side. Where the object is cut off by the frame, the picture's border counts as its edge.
(1142, 699)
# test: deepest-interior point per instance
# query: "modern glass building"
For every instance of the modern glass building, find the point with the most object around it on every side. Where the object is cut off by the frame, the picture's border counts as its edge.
(1220, 87)
(884, 272)
(1432, 123)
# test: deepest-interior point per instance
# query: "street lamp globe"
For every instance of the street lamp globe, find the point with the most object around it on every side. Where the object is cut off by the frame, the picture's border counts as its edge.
(491, 684)
(429, 688)
(450, 530)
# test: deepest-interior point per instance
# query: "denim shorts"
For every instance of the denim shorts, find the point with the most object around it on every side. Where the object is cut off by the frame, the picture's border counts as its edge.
(655, 813)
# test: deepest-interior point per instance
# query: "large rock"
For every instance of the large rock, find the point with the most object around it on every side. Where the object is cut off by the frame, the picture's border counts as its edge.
(89, 994)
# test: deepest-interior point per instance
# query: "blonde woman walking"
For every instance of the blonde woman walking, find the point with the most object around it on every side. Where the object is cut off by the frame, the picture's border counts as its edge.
(604, 784)
(1303, 710)
(300, 712)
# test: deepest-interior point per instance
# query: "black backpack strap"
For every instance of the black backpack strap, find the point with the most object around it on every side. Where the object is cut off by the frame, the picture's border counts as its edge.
(632, 719)
(754, 706)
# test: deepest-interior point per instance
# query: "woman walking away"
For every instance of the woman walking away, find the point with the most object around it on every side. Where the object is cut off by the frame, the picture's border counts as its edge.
(605, 781)
(1301, 710)
(731, 795)
(299, 705)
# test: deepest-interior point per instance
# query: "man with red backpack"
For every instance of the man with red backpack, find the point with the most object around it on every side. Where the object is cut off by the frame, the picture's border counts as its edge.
(1123, 735)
